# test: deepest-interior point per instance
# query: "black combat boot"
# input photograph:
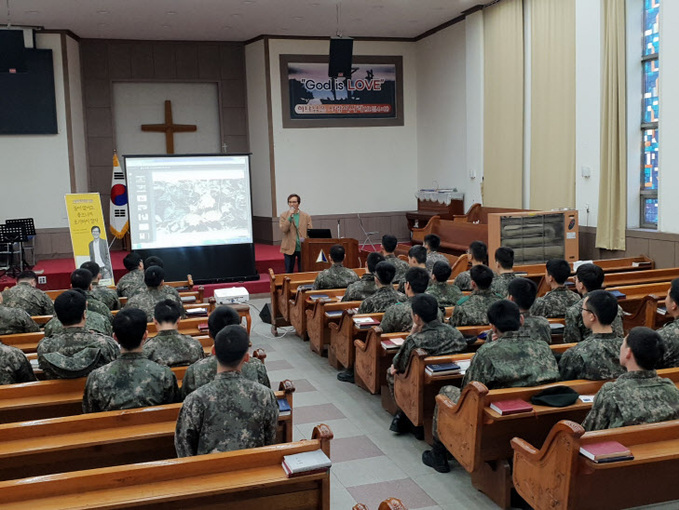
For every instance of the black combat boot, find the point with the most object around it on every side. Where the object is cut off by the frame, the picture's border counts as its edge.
(437, 457)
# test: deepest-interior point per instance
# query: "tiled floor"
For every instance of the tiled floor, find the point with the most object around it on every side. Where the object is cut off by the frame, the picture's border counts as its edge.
(369, 462)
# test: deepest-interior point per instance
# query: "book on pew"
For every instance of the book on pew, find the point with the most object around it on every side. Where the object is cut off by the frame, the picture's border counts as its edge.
(391, 344)
(283, 407)
(196, 312)
(365, 322)
(334, 313)
(442, 369)
(644, 263)
(556, 327)
(662, 310)
(464, 365)
(306, 286)
(618, 294)
(188, 299)
(606, 451)
(317, 297)
(513, 406)
(306, 463)
(203, 327)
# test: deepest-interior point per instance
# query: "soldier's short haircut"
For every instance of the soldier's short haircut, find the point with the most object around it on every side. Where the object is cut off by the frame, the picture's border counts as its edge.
(504, 315)
(154, 276)
(523, 292)
(167, 310)
(479, 251)
(418, 278)
(433, 241)
(221, 317)
(441, 271)
(27, 275)
(505, 257)
(604, 305)
(647, 346)
(374, 258)
(81, 279)
(674, 290)
(419, 253)
(231, 344)
(389, 243)
(129, 325)
(482, 276)
(70, 306)
(131, 261)
(153, 261)
(591, 276)
(337, 253)
(426, 306)
(385, 272)
(92, 267)
(559, 269)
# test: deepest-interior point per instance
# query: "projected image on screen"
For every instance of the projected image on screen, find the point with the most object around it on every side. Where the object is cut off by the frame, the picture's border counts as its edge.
(189, 201)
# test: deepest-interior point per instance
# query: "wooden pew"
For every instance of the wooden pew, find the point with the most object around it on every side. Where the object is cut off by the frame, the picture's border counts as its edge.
(647, 314)
(320, 316)
(634, 294)
(243, 311)
(556, 476)
(247, 479)
(280, 292)
(456, 236)
(342, 336)
(41, 447)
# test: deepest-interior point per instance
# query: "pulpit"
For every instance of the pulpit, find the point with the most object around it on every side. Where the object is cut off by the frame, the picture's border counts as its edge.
(316, 253)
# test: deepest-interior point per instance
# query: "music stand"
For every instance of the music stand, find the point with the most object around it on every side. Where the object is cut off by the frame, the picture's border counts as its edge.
(9, 235)
(29, 225)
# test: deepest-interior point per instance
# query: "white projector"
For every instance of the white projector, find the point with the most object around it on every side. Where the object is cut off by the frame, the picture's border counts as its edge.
(231, 296)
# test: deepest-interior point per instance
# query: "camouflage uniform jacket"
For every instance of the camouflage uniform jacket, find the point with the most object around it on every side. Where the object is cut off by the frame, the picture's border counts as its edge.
(361, 289)
(147, 300)
(501, 283)
(513, 360)
(463, 281)
(131, 283)
(107, 296)
(95, 305)
(576, 331)
(595, 358)
(555, 303)
(335, 277)
(169, 292)
(172, 349)
(81, 352)
(16, 320)
(445, 293)
(400, 265)
(433, 257)
(536, 327)
(399, 317)
(14, 366)
(25, 296)
(472, 310)
(93, 322)
(634, 398)
(381, 300)
(128, 382)
(230, 413)
(436, 338)
(204, 371)
(670, 335)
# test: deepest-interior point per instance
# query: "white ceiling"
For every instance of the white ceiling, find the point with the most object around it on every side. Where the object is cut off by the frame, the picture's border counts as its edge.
(233, 20)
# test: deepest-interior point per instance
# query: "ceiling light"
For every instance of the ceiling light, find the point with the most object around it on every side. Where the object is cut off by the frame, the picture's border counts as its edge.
(227, 27)
(102, 12)
(171, 13)
(165, 25)
(236, 15)
(298, 18)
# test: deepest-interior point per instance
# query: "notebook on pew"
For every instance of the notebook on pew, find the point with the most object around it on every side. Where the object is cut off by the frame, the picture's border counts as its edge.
(391, 344)
(555, 327)
(203, 327)
(618, 295)
(306, 463)
(334, 313)
(513, 406)
(365, 322)
(283, 407)
(196, 312)
(443, 369)
(188, 299)
(319, 297)
(306, 286)
(606, 451)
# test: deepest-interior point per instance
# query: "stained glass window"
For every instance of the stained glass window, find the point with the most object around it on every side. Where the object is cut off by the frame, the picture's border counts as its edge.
(651, 37)
(650, 105)
(650, 138)
(650, 91)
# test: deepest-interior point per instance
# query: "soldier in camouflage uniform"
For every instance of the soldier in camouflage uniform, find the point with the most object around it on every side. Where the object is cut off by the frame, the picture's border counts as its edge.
(154, 293)
(169, 347)
(204, 371)
(107, 296)
(133, 281)
(597, 357)
(504, 262)
(472, 310)
(231, 412)
(82, 279)
(14, 366)
(588, 278)
(132, 380)
(93, 322)
(25, 295)
(478, 253)
(417, 257)
(670, 331)
(399, 317)
(366, 286)
(389, 243)
(386, 295)
(432, 242)
(445, 293)
(74, 352)
(522, 291)
(15, 320)
(639, 395)
(559, 298)
(336, 276)
(513, 360)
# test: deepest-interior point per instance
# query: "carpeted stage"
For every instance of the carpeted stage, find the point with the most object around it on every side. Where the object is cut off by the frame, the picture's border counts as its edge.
(58, 271)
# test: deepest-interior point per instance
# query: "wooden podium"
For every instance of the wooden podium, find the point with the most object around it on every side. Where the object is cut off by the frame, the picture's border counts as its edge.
(311, 249)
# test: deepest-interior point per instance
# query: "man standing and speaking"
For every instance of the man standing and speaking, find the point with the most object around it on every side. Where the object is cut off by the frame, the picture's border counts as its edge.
(293, 224)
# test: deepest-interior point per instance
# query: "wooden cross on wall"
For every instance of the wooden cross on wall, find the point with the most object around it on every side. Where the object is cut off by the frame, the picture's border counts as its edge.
(169, 128)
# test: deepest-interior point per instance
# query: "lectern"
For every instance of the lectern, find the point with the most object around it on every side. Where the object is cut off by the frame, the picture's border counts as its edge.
(315, 251)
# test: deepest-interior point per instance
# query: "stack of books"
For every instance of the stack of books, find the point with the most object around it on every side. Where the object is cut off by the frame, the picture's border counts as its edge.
(514, 406)
(203, 327)
(365, 322)
(606, 451)
(391, 344)
(443, 369)
(306, 463)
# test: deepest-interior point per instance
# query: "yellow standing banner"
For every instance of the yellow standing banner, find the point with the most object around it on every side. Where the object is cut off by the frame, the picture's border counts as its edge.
(88, 233)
